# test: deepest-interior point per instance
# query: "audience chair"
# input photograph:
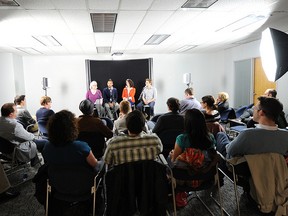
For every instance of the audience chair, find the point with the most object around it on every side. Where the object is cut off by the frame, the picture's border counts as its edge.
(42, 129)
(95, 140)
(225, 116)
(71, 190)
(109, 122)
(140, 186)
(168, 138)
(186, 176)
(155, 118)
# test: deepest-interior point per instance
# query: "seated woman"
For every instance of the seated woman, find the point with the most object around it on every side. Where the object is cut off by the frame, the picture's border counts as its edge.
(222, 101)
(210, 111)
(129, 91)
(95, 96)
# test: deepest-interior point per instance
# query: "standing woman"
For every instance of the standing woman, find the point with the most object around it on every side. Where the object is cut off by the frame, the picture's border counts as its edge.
(95, 95)
(128, 93)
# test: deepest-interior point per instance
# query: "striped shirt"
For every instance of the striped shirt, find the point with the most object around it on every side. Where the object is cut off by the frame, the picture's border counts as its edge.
(125, 149)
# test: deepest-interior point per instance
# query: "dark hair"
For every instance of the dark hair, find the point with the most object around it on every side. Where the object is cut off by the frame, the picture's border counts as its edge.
(62, 128)
(173, 104)
(189, 91)
(7, 109)
(210, 101)
(131, 83)
(135, 122)
(272, 107)
(86, 107)
(195, 127)
(18, 99)
(272, 92)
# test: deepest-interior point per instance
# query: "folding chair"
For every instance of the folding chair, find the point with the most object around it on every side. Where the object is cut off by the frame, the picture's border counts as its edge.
(137, 187)
(71, 188)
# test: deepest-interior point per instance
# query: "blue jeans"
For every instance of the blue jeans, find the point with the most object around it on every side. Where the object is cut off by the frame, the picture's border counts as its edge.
(151, 105)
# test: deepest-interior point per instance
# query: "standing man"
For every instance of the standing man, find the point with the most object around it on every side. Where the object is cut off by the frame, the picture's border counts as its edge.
(189, 102)
(148, 96)
(110, 97)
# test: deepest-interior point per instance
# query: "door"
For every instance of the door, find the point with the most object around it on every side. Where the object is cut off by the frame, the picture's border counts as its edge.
(261, 82)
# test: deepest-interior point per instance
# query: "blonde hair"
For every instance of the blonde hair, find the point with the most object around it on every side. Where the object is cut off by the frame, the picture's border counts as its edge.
(93, 83)
(223, 96)
(125, 107)
(45, 100)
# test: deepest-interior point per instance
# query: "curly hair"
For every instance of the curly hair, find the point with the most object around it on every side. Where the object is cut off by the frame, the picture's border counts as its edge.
(62, 128)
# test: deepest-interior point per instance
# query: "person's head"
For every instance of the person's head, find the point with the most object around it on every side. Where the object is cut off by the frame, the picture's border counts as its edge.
(223, 96)
(20, 100)
(208, 102)
(129, 83)
(173, 104)
(9, 110)
(110, 83)
(188, 92)
(46, 102)
(135, 122)
(270, 93)
(195, 126)
(62, 128)
(86, 107)
(93, 85)
(148, 82)
(125, 107)
(267, 107)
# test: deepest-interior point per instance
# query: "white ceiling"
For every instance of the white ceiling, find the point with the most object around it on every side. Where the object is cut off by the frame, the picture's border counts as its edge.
(69, 22)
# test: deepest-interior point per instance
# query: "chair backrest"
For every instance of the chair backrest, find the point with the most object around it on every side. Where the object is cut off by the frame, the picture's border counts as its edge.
(155, 118)
(240, 111)
(71, 183)
(215, 127)
(95, 140)
(168, 138)
(6, 146)
(137, 186)
(42, 126)
(227, 114)
(109, 122)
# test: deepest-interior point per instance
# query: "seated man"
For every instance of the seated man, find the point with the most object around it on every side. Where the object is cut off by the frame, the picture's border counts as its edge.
(189, 102)
(14, 132)
(148, 97)
(24, 116)
(110, 97)
(135, 146)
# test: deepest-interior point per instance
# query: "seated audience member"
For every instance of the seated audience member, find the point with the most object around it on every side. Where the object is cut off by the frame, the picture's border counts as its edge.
(129, 148)
(222, 102)
(95, 96)
(23, 116)
(43, 114)
(129, 91)
(265, 138)
(195, 134)
(63, 148)
(170, 120)
(110, 97)
(210, 111)
(15, 133)
(120, 123)
(6, 192)
(148, 97)
(89, 123)
(189, 102)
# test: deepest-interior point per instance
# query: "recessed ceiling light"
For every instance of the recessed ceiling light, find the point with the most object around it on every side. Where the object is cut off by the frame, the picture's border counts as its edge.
(198, 3)
(29, 50)
(47, 40)
(156, 39)
(103, 49)
(8, 3)
(185, 48)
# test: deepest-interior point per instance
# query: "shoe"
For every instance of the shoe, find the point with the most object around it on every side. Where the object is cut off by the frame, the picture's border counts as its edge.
(10, 194)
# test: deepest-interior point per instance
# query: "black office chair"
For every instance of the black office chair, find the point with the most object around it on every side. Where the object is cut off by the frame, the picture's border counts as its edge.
(168, 138)
(109, 122)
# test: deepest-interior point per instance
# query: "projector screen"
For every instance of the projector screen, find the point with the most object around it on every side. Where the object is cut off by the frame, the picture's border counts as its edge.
(119, 70)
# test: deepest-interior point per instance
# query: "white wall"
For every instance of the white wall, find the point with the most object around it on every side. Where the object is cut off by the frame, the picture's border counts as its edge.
(68, 78)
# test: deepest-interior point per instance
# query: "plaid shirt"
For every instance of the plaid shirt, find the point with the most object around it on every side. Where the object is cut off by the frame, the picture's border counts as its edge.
(124, 149)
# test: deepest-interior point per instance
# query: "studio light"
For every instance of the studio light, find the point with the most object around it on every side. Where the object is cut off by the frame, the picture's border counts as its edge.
(274, 53)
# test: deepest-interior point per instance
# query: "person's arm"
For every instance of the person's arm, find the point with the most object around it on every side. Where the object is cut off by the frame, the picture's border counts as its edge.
(158, 126)
(105, 130)
(91, 160)
(28, 117)
(87, 94)
(105, 99)
(22, 134)
(175, 152)
(124, 96)
(132, 94)
(237, 147)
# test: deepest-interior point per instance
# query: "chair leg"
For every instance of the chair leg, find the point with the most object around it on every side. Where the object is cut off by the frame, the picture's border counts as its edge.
(47, 197)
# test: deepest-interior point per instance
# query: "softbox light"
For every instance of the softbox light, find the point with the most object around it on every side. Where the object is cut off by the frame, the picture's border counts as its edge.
(274, 53)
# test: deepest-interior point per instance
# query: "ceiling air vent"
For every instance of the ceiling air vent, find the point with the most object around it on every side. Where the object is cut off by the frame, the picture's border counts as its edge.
(103, 22)
(103, 49)
(198, 3)
(8, 3)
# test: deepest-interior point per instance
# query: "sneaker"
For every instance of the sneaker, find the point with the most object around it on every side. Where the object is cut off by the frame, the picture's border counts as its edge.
(181, 199)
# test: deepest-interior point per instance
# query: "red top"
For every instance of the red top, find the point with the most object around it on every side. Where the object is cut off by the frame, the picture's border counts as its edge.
(131, 94)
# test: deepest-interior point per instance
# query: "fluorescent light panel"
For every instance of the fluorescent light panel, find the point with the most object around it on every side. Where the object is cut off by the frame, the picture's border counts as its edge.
(103, 49)
(243, 22)
(8, 3)
(156, 39)
(185, 48)
(198, 3)
(47, 40)
(29, 50)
